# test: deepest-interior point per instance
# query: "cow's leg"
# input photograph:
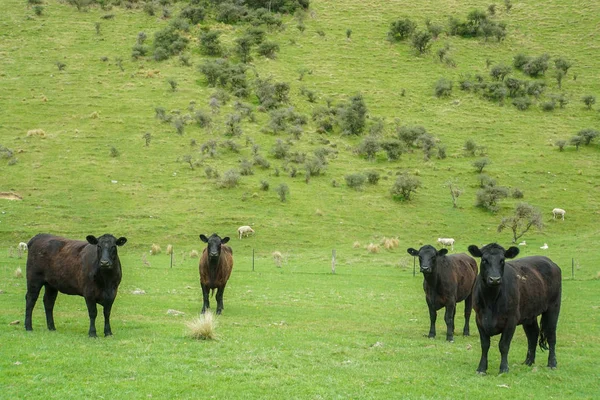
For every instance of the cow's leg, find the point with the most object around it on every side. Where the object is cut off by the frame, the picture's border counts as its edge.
(50, 294)
(432, 318)
(93, 313)
(549, 322)
(107, 308)
(484, 339)
(532, 331)
(449, 318)
(220, 292)
(468, 309)
(205, 293)
(504, 347)
(33, 292)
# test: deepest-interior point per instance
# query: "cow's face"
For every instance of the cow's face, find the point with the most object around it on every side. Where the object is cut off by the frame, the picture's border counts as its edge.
(491, 267)
(106, 246)
(214, 245)
(427, 257)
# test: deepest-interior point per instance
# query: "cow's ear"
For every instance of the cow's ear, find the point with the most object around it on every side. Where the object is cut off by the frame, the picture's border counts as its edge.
(121, 241)
(225, 240)
(412, 252)
(512, 252)
(442, 252)
(474, 250)
(203, 238)
(91, 239)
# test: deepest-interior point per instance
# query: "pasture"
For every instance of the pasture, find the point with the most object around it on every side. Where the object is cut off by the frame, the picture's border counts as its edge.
(83, 152)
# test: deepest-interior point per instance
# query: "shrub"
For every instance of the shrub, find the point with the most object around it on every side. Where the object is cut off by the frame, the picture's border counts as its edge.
(355, 181)
(369, 147)
(231, 146)
(517, 193)
(524, 217)
(280, 149)
(211, 172)
(409, 134)
(486, 180)
(588, 135)
(520, 60)
(147, 138)
(246, 168)
(522, 103)
(589, 101)
(261, 162)
(139, 50)
(271, 95)
(38, 10)
(421, 41)
(229, 13)
(560, 144)
(404, 186)
(283, 191)
(576, 141)
(173, 84)
(393, 148)
(114, 152)
(427, 143)
(203, 118)
(548, 106)
(352, 116)
(537, 66)
(562, 65)
(443, 87)
(500, 71)
(232, 125)
(179, 125)
(515, 87)
(264, 185)
(243, 47)
(230, 179)
(489, 197)
(268, 49)
(193, 14)
(401, 29)
(170, 41)
(470, 147)
(209, 148)
(434, 29)
(535, 88)
(210, 43)
(481, 164)
(314, 166)
(372, 177)
(495, 92)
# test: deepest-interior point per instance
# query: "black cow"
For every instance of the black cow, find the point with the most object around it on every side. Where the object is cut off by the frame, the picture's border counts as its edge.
(515, 293)
(216, 263)
(90, 269)
(447, 280)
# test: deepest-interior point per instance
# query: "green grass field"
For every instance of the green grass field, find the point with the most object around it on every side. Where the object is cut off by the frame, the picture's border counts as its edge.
(296, 331)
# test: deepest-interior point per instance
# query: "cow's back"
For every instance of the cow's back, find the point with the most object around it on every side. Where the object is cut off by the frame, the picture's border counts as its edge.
(56, 261)
(464, 272)
(539, 284)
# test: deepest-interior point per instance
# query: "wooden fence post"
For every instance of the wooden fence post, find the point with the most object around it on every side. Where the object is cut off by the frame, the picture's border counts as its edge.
(333, 261)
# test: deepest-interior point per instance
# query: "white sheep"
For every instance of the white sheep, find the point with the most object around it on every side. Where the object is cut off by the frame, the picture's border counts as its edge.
(544, 247)
(245, 231)
(558, 211)
(22, 246)
(523, 243)
(446, 242)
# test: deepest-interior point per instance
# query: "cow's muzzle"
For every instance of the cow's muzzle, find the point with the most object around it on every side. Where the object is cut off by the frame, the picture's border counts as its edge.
(105, 264)
(494, 280)
(426, 270)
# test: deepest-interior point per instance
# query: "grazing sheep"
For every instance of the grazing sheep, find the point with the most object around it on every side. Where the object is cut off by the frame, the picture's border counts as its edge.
(523, 243)
(22, 247)
(245, 231)
(446, 242)
(558, 212)
(544, 247)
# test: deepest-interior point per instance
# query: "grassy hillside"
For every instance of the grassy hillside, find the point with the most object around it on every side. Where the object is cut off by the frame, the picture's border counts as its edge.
(78, 158)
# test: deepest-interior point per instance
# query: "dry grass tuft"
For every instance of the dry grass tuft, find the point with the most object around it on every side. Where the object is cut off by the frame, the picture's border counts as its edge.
(18, 273)
(390, 243)
(94, 115)
(203, 327)
(194, 254)
(356, 245)
(169, 249)
(36, 132)
(277, 258)
(155, 249)
(373, 248)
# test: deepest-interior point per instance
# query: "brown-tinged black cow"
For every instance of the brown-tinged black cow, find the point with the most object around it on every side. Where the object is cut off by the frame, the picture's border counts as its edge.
(216, 263)
(511, 293)
(90, 269)
(447, 280)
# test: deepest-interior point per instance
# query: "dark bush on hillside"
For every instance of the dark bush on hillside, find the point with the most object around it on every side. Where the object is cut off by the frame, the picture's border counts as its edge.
(324, 119)
(246, 168)
(576, 141)
(393, 148)
(284, 119)
(517, 193)
(170, 41)
(264, 185)
(522, 103)
(427, 143)
(409, 134)
(268, 49)
(209, 148)
(203, 119)
(481, 164)
(537, 66)
(162, 115)
(245, 110)
(434, 29)
(477, 25)
(283, 191)
(211, 172)
(401, 29)
(139, 50)
(193, 14)
(114, 152)
(257, 34)
(322, 153)
(229, 13)
(311, 96)
(500, 71)
(562, 65)
(280, 149)
(271, 95)
(516, 87)
(443, 87)
(535, 89)
(210, 44)
(520, 60)
(589, 101)
(232, 125)
(588, 135)
(560, 144)
(315, 166)
(261, 161)
(404, 186)
(231, 146)
(372, 177)
(421, 41)
(179, 124)
(470, 147)
(230, 76)
(352, 116)
(485, 181)
(489, 197)
(279, 6)
(369, 147)
(495, 91)
(355, 181)
(230, 179)
(548, 106)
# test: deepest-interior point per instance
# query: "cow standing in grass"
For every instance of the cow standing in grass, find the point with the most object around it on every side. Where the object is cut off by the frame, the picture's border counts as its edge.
(216, 263)
(447, 280)
(90, 269)
(514, 293)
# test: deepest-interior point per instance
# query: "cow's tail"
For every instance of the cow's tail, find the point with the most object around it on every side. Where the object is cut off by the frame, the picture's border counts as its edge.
(212, 292)
(543, 342)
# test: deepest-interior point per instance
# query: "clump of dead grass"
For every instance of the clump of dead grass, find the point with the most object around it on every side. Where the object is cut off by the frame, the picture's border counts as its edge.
(202, 327)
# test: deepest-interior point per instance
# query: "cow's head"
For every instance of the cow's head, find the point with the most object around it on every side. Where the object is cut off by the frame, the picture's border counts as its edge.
(106, 246)
(214, 245)
(491, 267)
(427, 257)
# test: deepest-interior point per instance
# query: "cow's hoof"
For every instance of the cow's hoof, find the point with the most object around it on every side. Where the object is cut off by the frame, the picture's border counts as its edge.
(482, 373)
